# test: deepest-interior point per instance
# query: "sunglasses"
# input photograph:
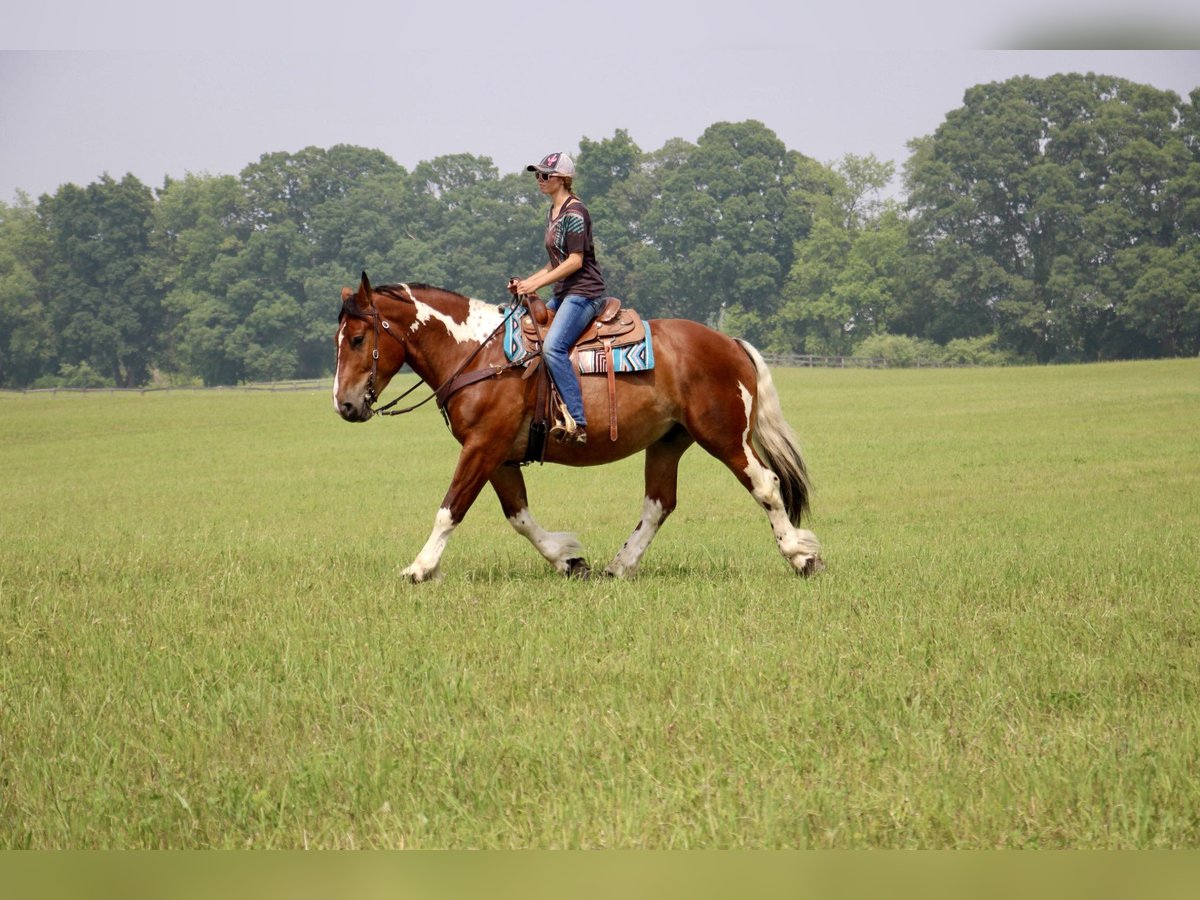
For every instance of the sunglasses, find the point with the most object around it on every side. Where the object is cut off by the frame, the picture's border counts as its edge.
(542, 176)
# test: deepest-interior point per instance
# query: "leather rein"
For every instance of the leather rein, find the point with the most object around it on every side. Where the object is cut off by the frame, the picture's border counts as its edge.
(447, 388)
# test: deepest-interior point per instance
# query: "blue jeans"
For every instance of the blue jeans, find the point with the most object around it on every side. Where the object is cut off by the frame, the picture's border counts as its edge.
(573, 314)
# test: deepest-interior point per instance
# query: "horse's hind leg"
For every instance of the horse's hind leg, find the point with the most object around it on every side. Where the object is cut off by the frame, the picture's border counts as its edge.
(799, 546)
(561, 549)
(730, 441)
(662, 471)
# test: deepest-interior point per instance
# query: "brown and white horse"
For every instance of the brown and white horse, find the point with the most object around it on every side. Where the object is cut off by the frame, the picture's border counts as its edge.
(705, 388)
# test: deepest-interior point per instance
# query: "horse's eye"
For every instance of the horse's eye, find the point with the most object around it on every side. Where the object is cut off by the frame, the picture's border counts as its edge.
(357, 342)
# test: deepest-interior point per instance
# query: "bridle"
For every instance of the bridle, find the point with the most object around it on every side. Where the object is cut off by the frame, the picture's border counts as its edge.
(447, 387)
(382, 324)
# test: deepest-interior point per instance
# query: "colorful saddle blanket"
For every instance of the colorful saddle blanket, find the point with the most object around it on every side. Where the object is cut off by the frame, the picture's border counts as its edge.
(622, 329)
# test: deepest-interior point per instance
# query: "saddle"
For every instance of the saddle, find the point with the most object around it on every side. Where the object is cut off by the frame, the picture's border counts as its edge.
(615, 323)
(594, 353)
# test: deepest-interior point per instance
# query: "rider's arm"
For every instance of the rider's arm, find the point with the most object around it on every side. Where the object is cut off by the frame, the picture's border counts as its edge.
(546, 275)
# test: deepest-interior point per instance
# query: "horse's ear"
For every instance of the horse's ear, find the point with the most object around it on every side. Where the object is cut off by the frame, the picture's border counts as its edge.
(364, 293)
(346, 294)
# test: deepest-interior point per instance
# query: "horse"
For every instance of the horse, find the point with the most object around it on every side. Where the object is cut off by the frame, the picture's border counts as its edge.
(705, 388)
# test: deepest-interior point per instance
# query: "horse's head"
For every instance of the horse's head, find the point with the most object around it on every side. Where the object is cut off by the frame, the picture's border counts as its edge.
(366, 357)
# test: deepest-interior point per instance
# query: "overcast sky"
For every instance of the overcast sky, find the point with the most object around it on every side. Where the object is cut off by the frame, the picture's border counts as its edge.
(132, 86)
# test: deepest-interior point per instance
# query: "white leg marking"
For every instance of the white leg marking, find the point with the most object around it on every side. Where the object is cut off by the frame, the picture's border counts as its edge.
(425, 566)
(797, 545)
(626, 561)
(556, 546)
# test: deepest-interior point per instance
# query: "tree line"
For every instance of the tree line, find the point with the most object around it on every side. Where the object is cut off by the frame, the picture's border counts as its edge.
(1045, 220)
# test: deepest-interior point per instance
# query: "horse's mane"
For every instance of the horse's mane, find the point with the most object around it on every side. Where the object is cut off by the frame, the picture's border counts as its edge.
(397, 291)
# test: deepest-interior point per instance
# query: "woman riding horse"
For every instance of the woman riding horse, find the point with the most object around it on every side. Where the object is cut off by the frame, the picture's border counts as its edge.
(705, 388)
(578, 285)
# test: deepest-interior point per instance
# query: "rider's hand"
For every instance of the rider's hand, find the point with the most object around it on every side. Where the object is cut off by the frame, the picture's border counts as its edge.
(527, 287)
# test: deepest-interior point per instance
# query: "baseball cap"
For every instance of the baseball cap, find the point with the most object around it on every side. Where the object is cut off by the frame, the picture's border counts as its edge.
(554, 164)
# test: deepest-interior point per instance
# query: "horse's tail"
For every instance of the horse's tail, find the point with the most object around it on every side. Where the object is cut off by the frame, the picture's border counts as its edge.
(776, 443)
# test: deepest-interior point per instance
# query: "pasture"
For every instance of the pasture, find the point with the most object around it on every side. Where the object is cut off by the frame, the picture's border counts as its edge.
(203, 641)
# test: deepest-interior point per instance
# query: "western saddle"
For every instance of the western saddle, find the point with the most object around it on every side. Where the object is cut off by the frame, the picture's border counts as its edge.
(614, 326)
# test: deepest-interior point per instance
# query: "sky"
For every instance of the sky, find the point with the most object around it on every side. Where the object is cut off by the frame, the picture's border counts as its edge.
(135, 86)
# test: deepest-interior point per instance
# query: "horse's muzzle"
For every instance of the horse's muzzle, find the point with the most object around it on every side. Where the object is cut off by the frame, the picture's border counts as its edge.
(353, 412)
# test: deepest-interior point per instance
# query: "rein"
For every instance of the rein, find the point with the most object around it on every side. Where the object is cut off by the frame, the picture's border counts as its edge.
(448, 387)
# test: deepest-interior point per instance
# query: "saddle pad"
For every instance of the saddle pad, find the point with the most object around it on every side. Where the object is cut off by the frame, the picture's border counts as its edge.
(514, 345)
(635, 357)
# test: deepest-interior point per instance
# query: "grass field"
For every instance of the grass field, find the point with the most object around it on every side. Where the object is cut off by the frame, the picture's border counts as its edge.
(203, 641)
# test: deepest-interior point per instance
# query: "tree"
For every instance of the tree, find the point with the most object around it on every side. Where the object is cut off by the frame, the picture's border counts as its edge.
(27, 343)
(202, 227)
(605, 163)
(482, 229)
(1163, 302)
(1024, 198)
(283, 329)
(603, 169)
(844, 283)
(712, 224)
(243, 260)
(1047, 219)
(106, 307)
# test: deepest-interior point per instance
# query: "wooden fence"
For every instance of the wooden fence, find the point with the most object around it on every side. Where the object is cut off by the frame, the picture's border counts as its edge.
(807, 361)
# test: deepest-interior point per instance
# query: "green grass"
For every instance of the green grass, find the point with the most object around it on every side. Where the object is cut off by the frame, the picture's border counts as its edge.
(204, 642)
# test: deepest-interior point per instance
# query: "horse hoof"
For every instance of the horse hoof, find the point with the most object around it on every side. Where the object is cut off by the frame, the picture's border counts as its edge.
(418, 576)
(578, 568)
(811, 567)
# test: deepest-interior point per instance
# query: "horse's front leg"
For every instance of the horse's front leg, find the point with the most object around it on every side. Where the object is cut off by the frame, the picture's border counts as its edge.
(560, 548)
(475, 466)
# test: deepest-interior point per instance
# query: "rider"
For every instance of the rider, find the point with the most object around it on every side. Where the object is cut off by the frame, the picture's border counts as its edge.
(578, 284)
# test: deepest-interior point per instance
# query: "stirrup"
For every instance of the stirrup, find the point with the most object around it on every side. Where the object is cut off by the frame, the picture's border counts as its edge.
(567, 426)
(568, 435)
(568, 420)
(567, 431)
(560, 434)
